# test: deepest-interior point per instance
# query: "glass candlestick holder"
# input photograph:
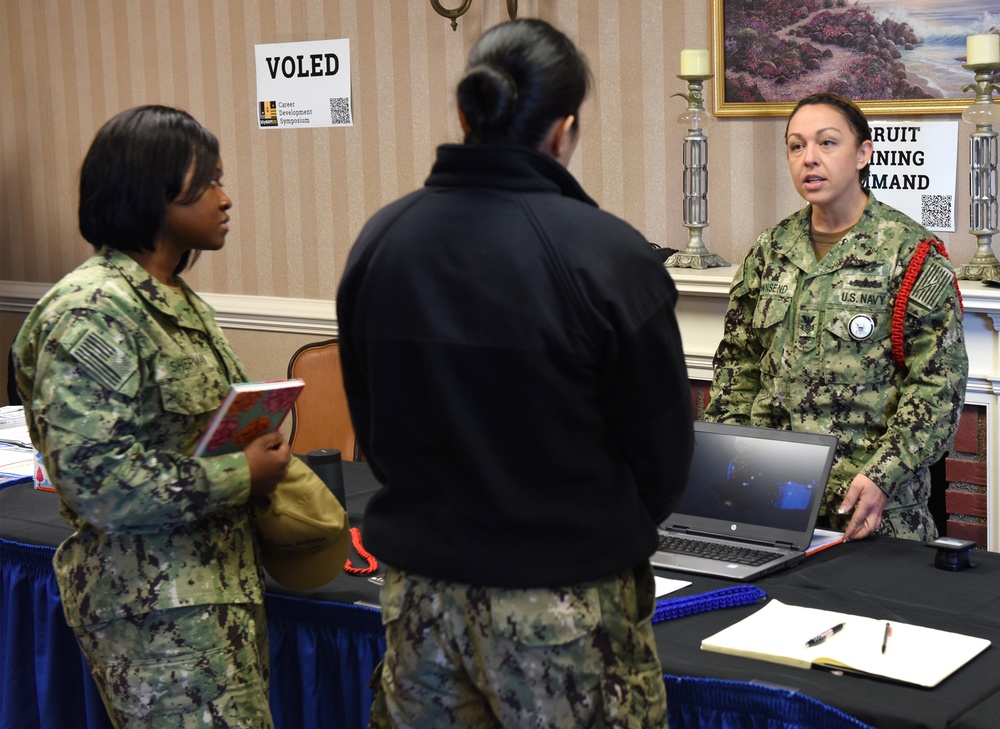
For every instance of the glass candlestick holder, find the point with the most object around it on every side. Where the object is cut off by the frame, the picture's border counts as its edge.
(695, 202)
(984, 113)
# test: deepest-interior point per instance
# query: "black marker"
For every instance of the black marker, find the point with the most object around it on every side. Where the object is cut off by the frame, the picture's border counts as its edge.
(885, 637)
(824, 635)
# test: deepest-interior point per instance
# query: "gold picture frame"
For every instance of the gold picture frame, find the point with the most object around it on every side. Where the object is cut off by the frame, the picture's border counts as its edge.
(742, 84)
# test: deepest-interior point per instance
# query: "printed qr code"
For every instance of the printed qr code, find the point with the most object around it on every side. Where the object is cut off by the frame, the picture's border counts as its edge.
(935, 211)
(340, 111)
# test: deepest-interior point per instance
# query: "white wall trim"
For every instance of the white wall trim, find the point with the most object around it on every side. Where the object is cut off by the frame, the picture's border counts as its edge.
(17, 297)
(257, 313)
(319, 316)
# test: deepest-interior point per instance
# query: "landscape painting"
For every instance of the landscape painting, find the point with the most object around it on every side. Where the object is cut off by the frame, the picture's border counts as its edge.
(890, 56)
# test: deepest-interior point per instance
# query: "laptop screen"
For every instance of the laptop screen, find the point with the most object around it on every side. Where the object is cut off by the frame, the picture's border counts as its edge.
(755, 483)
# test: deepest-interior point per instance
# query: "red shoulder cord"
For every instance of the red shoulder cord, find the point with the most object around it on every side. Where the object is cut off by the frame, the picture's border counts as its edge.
(903, 297)
(372, 562)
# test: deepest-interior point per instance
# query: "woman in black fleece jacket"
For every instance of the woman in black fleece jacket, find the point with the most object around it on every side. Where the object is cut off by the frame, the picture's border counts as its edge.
(516, 379)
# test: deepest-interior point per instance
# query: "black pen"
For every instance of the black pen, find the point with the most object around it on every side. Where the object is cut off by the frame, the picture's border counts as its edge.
(885, 637)
(824, 635)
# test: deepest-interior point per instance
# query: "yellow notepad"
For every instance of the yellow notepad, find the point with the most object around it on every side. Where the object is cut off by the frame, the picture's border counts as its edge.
(779, 633)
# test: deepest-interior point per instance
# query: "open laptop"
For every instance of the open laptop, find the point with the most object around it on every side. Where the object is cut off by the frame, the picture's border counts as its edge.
(749, 488)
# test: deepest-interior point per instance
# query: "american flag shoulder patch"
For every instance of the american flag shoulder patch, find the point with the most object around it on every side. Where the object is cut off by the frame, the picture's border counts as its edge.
(103, 360)
(933, 285)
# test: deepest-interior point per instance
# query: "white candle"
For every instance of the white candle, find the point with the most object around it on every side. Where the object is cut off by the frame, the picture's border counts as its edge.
(981, 49)
(695, 62)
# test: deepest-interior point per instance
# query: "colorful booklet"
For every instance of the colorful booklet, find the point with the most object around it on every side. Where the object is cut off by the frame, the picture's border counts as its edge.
(823, 539)
(249, 410)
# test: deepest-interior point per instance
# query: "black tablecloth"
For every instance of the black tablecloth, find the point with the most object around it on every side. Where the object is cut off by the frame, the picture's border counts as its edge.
(881, 578)
(30, 516)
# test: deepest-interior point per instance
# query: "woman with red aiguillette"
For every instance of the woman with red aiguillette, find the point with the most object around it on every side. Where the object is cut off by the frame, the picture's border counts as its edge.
(846, 318)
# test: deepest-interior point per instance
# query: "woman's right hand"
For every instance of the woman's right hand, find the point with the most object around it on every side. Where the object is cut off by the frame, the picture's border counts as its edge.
(268, 458)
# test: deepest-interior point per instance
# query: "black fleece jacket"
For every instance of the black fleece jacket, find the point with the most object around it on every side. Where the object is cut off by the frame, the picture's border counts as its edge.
(515, 377)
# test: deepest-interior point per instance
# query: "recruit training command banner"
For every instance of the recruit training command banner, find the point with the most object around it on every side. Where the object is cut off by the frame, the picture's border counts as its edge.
(306, 84)
(913, 169)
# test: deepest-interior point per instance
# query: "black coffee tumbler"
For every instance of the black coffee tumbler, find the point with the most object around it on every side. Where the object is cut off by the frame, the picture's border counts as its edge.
(326, 463)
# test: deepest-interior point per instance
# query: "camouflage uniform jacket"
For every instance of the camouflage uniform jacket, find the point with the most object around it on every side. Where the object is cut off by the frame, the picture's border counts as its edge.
(119, 375)
(807, 347)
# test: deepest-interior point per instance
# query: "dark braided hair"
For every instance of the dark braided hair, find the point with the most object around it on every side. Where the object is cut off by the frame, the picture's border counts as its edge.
(521, 76)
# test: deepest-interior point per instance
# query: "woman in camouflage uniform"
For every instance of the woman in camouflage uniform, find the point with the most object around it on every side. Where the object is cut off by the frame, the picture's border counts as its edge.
(120, 366)
(845, 318)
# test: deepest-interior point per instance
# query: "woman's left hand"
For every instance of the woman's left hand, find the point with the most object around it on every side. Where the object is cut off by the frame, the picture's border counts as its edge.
(867, 500)
(268, 457)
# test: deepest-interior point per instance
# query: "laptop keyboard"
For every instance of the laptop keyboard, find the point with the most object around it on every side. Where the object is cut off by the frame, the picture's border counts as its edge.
(709, 550)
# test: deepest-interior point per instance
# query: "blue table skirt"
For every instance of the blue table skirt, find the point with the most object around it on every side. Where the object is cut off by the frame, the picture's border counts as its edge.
(322, 654)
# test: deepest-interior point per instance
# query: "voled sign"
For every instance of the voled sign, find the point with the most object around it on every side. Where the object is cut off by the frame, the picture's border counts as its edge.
(306, 84)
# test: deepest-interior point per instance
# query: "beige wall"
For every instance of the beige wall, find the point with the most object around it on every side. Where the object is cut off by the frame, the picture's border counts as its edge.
(302, 195)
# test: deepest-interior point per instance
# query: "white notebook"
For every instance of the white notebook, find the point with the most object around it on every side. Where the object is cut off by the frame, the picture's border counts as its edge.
(913, 654)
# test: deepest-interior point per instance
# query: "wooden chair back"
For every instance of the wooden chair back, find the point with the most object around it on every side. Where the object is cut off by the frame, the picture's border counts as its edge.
(320, 417)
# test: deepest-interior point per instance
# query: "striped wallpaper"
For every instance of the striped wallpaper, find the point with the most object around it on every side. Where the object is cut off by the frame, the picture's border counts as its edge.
(301, 196)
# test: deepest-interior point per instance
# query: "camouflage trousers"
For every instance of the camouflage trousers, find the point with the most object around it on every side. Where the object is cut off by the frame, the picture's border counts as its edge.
(464, 656)
(184, 668)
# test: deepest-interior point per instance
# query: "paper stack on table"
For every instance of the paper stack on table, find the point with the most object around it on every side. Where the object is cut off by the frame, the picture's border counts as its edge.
(17, 456)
